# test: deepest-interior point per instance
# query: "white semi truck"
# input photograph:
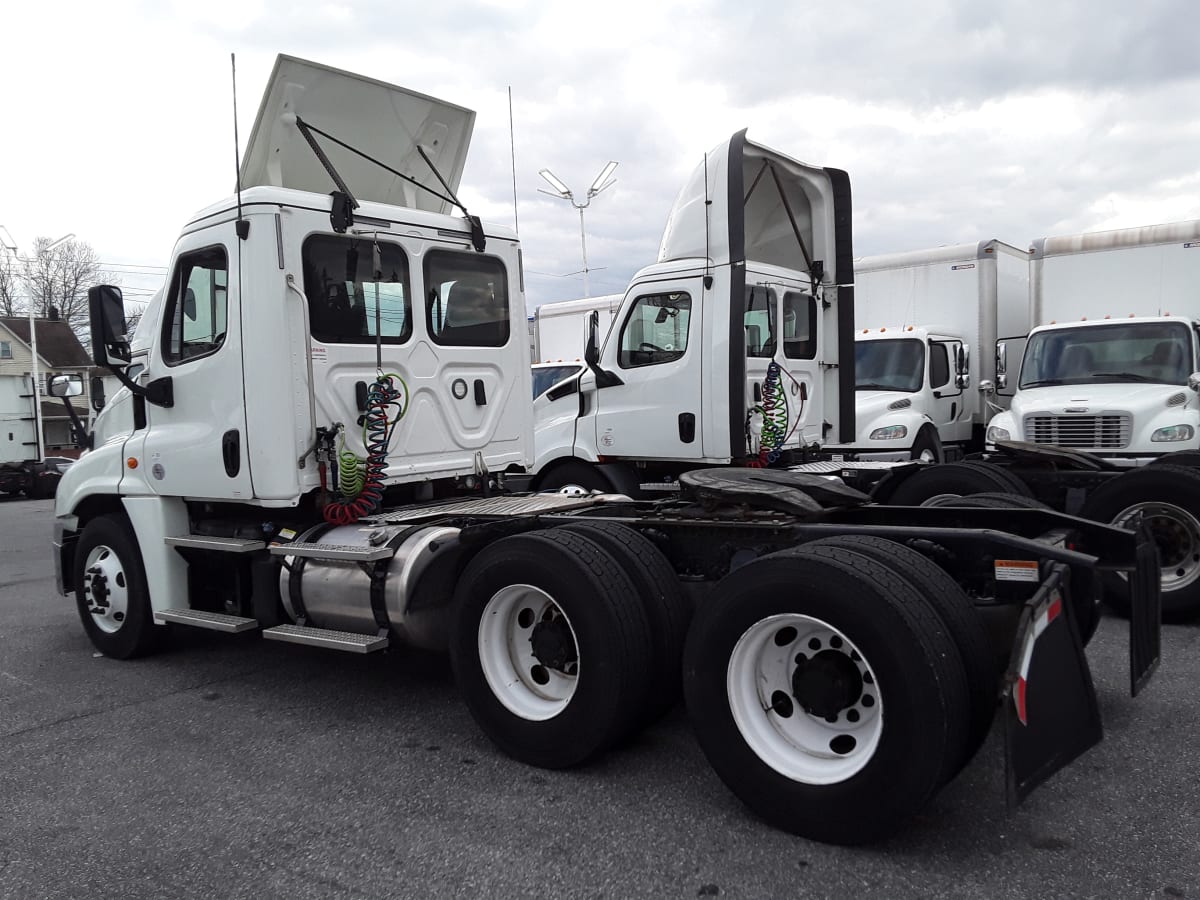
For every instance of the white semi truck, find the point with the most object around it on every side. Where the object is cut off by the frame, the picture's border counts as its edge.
(319, 413)
(927, 324)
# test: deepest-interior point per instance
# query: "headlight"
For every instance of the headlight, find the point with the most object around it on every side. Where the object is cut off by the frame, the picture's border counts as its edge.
(1173, 433)
(996, 433)
(890, 433)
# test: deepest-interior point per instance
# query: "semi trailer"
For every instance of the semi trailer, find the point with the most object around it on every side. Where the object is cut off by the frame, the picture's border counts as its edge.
(319, 416)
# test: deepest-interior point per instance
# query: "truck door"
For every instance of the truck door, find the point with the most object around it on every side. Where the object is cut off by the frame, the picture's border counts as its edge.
(947, 399)
(780, 326)
(656, 351)
(197, 447)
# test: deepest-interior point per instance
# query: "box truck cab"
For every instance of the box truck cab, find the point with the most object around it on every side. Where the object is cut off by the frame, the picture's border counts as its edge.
(1111, 369)
(912, 395)
(925, 319)
(728, 348)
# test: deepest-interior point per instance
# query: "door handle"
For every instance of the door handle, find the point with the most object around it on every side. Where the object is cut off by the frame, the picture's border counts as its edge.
(231, 452)
(480, 393)
(687, 427)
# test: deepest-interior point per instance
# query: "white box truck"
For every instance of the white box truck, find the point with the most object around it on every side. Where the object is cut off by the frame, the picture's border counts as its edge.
(316, 420)
(926, 328)
(1105, 418)
(22, 470)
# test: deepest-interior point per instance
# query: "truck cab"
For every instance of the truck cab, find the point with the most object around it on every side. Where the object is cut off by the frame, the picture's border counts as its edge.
(252, 381)
(727, 350)
(911, 387)
(1122, 389)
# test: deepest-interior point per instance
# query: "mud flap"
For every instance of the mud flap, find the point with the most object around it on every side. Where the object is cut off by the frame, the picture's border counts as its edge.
(1145, 614)
(1050, 711)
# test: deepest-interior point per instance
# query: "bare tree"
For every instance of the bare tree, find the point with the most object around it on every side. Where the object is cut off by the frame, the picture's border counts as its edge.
(60, 277)
(9, 280)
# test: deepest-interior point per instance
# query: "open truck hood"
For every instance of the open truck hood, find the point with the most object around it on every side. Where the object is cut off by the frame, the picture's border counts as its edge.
(379, 119)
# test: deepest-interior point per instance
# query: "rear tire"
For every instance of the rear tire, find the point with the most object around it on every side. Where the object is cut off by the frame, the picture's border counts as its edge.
(550, 647)
(1168, 497)
(668, 613)
(959, 478)
(762, 707)
(110, 590)
(943, 593)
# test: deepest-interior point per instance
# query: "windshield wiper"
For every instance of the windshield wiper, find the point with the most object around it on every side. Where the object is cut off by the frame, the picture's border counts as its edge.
(868, 386)
(1128, 376)
(1043, 383)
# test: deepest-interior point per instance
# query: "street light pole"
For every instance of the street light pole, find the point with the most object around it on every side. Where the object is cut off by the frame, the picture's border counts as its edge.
(602, 181)
(35, 369)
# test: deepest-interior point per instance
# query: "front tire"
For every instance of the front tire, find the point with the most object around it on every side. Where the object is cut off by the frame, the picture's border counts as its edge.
(110, 590)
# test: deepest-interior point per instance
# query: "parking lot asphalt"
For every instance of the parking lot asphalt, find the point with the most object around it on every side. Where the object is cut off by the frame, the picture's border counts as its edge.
(226, 766)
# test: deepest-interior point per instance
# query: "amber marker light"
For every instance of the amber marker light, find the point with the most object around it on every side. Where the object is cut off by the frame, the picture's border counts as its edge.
(132, 462)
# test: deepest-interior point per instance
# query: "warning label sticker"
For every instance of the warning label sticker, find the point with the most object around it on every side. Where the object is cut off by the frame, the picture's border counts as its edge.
(1016, 570)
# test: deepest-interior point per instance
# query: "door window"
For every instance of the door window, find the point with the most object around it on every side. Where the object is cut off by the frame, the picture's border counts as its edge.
(799, 325)
(195, 320)
(655, 331)
(466, 299)
(344, 289)
(759, 322)
(939, 366)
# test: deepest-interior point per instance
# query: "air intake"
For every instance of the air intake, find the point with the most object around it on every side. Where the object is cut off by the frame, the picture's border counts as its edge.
(1177, 399)
(900, 404)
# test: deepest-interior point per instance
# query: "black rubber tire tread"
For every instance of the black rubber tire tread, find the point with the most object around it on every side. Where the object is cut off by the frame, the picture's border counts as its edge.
(138, 635)
(574, 472)
(668, 612)
(610, 628)
(1014, 484)
(927, 439)
(906, 645)
(994, 500)
(966, 627)
(954, 478)
(1178, 485)
(1189, 458)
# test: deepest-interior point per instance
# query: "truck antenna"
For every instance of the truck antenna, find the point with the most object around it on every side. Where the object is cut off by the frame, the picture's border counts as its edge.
(242, 226)
(708, 279)
(512, 145)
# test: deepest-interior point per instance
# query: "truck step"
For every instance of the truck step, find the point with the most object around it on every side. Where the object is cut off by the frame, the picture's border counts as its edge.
(209, 542)
(324, 637)
(213, 621)
(348, 552)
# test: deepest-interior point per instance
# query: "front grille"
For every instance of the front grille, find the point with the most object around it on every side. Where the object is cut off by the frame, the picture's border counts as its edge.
(1104, 432)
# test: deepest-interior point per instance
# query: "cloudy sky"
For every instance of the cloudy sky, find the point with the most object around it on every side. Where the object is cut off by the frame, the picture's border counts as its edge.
(957, 121)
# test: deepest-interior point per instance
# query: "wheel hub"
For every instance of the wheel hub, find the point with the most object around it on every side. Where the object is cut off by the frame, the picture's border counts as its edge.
(553, 645)
(98, 589)
(826, 683)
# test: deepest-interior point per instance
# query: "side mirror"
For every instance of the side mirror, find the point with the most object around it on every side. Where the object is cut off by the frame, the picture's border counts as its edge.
(1194, 381)
(106, 313)
(97, 392)
(1001, 364)
(962, 360)
(591, 350)
(987, 387)
(962, 382)
(65, 386)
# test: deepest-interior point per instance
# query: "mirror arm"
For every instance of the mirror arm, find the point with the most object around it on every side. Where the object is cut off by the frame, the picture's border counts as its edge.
(160, 392)
(83, 437)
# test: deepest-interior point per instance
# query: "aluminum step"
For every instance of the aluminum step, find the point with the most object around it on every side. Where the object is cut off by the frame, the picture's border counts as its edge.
(324, 637)
(210, 542)
(348, 552)
(210, 620)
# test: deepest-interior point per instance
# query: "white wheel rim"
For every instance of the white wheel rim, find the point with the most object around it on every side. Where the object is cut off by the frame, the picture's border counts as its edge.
(526, 685)
(106, 589)
(1177, 534)
(797, 744)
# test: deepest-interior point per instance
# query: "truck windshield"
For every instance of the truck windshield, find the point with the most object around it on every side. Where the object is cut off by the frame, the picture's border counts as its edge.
(1157, 352)
(889, 365)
